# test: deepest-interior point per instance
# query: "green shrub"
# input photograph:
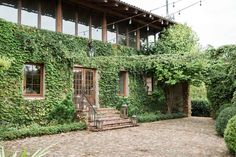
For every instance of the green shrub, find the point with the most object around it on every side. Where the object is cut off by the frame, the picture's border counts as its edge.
(223, 119)
(222, 107)
(63, 112)
(230, 135)
(200, 108)
(151, 117)
(37, 130)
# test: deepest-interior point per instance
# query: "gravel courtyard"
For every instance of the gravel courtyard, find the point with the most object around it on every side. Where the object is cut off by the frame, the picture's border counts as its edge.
(187, 137)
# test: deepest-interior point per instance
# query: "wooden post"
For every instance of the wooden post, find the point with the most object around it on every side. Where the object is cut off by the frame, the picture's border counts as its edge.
(76, 23)
(127, 37)
(19, 7)
(90, 27)
(104, 28)
(117, 34)
(138, 39)
(39, 14)
(59, 16)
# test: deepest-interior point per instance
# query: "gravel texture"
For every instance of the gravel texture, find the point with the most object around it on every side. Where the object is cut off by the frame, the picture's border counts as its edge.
(187, 137)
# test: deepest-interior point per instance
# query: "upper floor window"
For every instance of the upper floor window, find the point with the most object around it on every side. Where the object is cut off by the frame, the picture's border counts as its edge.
(48, 15)
(8, 10)
(29, 14)
(33, 80)
(96, 26)
(69, 14)
(123, 83)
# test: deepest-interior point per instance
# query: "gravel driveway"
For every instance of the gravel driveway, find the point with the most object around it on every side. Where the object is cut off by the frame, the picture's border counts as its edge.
(187, 137)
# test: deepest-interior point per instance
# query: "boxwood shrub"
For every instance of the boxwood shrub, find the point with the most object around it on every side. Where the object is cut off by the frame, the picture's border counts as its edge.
(223, 119)
(200, 108)
(222, 107)
(37, 130)
(230, 135)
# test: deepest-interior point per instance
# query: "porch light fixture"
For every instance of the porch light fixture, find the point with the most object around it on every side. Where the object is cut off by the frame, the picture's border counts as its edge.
(90, 49)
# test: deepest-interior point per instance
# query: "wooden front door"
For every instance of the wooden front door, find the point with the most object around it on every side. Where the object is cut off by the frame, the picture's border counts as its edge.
(84, 87)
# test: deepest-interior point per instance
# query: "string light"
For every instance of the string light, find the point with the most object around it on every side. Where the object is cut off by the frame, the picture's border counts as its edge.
(200, 3)
(173, 4)
(130, 21)
(162, 22)
(113, 26)
(147, 28)
(179, 12)
(134, 33)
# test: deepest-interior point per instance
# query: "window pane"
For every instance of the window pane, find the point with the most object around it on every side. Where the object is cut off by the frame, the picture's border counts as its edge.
(97, 26)
(111, 29)
(143, 38)
(121, 83)
(132, 39)
(29, 13)
(33, 74)
(68, 13)
(83, 23)
(8, 10)
(48, 18)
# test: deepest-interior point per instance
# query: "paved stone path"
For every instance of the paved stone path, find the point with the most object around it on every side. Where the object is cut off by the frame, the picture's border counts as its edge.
(187, 137)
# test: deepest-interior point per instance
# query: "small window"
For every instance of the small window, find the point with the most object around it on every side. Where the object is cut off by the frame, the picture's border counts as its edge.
(33, 80)
(149, 85)
(122, 83)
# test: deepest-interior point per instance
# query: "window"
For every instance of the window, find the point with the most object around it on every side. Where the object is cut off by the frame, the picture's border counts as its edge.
(8, 10)
(29, 13)
(122, 33)
(48, 17)
(96, 26)
(83, 22)
(68, 12)
(149, 85)
(33, 80)
(122, 83)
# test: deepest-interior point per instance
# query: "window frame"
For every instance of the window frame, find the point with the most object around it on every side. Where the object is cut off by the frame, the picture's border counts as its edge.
(149, 92)
(41, 94)
(125, 85)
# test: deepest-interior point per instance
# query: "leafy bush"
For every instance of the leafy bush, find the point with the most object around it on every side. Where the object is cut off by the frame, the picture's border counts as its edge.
(63, 112)
(37, 130)
(200, 108)
(223, 119)
(230, 134)
(222, 107)
(151, 117)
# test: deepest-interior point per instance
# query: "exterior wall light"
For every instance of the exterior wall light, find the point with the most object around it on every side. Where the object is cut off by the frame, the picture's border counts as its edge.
(90, 49)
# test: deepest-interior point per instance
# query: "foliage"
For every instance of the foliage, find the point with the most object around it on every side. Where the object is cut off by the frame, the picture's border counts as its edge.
(223, 118)
(37, 130)
(5, 63)
(221, 83)
(230, 134)
(222, 107)
(63, 112)
(38, 153)
(151, 117)
(198, 92)
(176, 39)
(200, 108)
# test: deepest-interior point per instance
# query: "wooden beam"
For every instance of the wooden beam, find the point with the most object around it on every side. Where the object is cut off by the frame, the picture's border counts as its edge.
(104, 28)
(59, 16)
(109, 11)
(19, 7)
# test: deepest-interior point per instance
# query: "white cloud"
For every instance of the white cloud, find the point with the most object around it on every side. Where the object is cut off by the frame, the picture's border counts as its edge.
(214, 22)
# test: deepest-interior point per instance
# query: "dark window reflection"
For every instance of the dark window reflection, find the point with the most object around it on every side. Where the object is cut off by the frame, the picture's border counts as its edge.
(33, 75)
(68, 12)
(122, 33)
(8, 10)
(29, 13)
(143, 38)
(111, 30)
(48, 18)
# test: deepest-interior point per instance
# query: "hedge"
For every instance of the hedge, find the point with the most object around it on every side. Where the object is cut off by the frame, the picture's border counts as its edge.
(36, 130)
(200, 108)
(151, 117)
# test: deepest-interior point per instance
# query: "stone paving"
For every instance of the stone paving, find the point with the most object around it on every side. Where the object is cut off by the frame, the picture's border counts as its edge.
(187, 137)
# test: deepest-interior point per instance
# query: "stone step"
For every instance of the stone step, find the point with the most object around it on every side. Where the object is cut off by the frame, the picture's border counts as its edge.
(111, 127)
(113, 122)
(109, 118)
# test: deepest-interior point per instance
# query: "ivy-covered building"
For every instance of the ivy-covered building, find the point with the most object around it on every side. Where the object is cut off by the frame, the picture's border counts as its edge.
(49, 45)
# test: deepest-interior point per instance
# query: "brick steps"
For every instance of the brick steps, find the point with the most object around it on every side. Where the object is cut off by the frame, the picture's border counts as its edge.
(109, 119)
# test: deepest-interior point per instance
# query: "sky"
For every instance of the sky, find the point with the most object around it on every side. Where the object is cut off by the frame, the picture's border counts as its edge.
(214, 21)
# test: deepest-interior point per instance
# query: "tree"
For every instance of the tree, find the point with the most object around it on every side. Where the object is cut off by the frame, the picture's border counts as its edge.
(176, 39)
